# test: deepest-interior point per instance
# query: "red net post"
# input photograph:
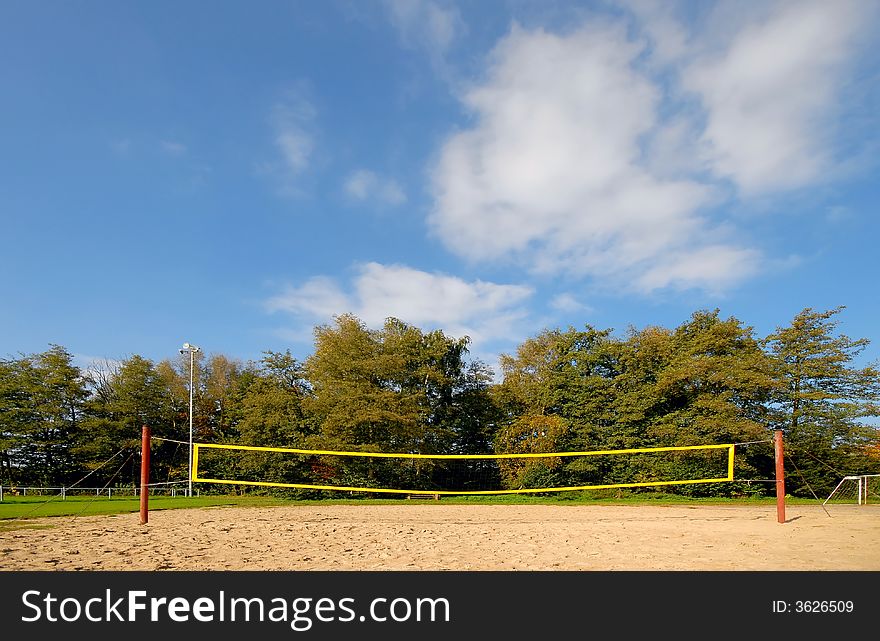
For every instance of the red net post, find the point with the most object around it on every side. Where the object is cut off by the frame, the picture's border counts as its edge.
(780, 478)
(145, 474)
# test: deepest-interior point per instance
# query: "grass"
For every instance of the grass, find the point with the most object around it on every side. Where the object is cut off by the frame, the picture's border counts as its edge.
(31, 507)
(11, 524)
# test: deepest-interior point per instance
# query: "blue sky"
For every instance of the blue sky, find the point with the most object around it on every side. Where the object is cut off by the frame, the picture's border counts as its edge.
(232, 174)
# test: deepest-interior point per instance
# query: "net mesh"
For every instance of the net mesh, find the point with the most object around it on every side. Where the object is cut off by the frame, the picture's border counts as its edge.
(856, 490)
(461, 474)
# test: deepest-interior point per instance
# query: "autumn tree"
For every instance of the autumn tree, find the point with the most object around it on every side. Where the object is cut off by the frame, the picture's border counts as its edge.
(396, 389)
(555, 396)
(823, 400)
(705, 382)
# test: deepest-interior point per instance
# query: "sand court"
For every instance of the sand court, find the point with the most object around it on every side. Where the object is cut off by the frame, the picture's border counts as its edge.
(434, 536)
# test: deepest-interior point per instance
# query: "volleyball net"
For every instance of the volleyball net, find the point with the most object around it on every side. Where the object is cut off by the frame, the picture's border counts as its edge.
(461, 474)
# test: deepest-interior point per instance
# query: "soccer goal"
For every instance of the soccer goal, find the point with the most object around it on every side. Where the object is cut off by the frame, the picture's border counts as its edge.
(860, 489)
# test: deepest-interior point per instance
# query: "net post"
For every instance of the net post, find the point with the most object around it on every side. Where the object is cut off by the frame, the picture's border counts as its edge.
(194, 470)
(145, 474)
(780, 477)
(730, 455)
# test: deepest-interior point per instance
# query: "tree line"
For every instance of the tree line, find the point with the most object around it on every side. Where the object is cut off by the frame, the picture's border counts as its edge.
(401, 389)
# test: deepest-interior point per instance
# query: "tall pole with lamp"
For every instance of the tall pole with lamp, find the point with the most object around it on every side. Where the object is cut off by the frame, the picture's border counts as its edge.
(192, 349)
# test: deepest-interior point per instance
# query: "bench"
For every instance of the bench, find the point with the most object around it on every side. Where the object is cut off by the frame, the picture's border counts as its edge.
(423, 496)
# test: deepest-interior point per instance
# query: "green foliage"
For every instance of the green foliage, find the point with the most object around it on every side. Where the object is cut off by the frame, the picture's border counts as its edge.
(821, 401)
(401, 389)
(707, 381)
(132, 394)
(397, 389)
(42, 400)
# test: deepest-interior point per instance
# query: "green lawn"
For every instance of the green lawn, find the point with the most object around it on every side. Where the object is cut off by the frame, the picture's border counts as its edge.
(31, 507)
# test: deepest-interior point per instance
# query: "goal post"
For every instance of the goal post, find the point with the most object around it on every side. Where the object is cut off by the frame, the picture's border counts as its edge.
(858, 488)
(532, 473)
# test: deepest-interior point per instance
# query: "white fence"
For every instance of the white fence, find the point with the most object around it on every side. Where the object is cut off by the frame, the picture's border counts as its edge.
(164, 489)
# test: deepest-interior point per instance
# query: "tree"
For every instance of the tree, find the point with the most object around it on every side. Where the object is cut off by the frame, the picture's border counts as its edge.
(715, 386)
(557, 395)
(714, 389)
(259, 406)
(10, 420)
(396, 389)
(706, 382)
(134, 395)
(42, 401)
(270, 410)
(822, 399)
(221, 377)
(385, 389)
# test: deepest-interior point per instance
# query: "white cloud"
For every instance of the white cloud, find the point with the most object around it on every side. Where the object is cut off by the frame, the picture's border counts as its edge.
(426, 25)
(675, 149)
(482, 310)
(392, 193)
(293, 121)
(173, 147)
(567, 302)
(712, 268)
(318, 297)
(366, 185)
(771, 92)
(667, 36)
(360, 184)
(608, 151)
(551, 174)
(296, 146)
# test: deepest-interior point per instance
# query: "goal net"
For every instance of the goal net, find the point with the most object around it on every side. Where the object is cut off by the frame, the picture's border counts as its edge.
(456, 474)
(859, 490)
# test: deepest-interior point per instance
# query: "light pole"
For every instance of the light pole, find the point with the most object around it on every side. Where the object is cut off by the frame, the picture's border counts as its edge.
(192, 349)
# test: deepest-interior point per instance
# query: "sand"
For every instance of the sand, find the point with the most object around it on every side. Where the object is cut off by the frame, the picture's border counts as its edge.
(434, 536)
